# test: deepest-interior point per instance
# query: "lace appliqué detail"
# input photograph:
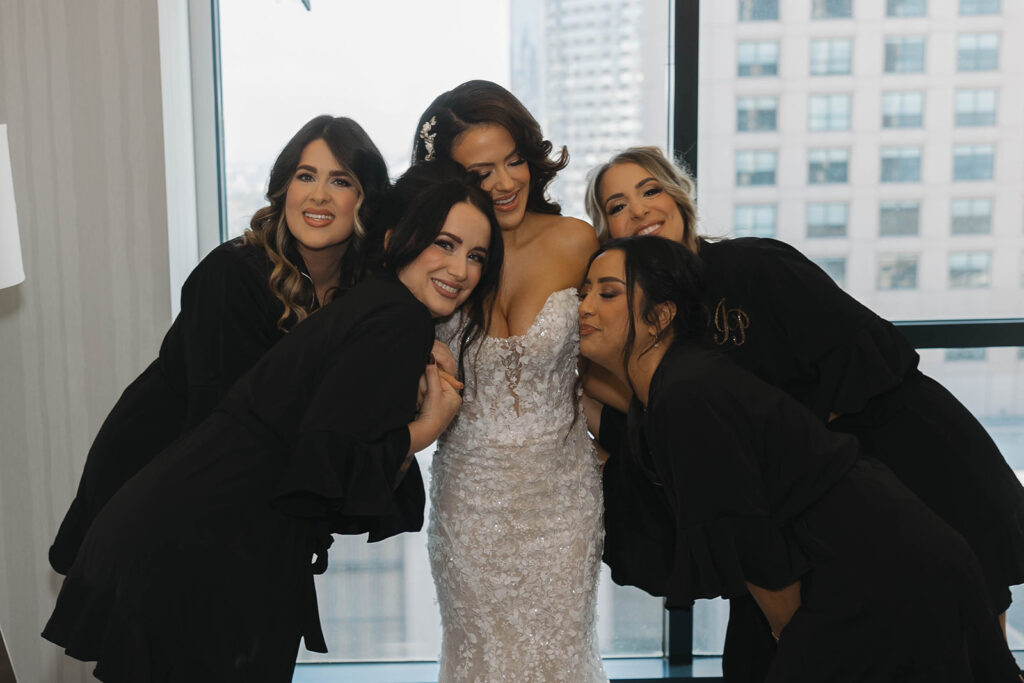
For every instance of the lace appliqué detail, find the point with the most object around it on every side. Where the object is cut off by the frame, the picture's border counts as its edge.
(516, 530)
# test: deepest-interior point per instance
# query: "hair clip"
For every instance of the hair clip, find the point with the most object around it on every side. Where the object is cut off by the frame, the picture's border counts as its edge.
(428, 138)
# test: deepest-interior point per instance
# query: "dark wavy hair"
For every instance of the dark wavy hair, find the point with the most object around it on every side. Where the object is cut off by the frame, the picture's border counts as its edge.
(660, 271)
(418, 206)
(356, 153)
(481, 102)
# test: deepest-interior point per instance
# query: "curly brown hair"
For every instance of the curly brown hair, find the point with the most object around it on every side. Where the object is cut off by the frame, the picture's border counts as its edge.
(356, 153)
(481, 102)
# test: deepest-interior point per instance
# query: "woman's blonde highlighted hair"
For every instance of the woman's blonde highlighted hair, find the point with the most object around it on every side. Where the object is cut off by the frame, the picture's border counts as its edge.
(677, 183)
(356, 154)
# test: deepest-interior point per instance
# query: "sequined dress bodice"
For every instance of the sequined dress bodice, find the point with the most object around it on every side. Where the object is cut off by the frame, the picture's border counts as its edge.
(515, 533)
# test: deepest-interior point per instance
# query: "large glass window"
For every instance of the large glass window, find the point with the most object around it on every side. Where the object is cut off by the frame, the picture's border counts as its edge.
(971, 216)
(756, 113)
(755, 167)
(973, 162)
(904, 54)
(596, 85)
(831, 56)
(827, 219)
(977, 52)
(905, 212)
(906, 8)
(976, 107)
(904, 109)
(754, 220)
(969, 269)
(827, 166)
(757, 58)
(898, 218)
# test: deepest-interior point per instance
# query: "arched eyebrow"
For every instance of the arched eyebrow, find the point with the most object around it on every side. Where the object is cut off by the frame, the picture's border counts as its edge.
(514, 153)
(623, 195)
(602, 280)
(331, 174)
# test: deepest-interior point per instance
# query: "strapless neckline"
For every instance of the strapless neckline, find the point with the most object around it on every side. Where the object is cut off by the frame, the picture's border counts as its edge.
(536, 318)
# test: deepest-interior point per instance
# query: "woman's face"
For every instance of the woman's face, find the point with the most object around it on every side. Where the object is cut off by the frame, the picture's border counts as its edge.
(444, 274)
(603, 310)
(320, 204)
(488, 149)
(635, 203)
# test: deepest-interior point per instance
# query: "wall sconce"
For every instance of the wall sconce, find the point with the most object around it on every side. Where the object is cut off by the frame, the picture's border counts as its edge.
(11, 270)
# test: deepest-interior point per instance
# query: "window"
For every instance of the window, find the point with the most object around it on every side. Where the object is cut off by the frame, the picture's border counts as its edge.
(827, 166)
(831, 57)
(903, 109)
(834, 266)
(897, 271)
(832, 9)
(972, 7)
(757, 58)
(827, 219)
(904, 55)
(901, 164)
(969, 269)
(906, 8)
(958, 355)
(759, 10)
(828, 112)
(756, 113)
(977, 52)
(898, 218)
(754, 220)
(973, 162)
(755, 167)
(976, 107)
(971, 216)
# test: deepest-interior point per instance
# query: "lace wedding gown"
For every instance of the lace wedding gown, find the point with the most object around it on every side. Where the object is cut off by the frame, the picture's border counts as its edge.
(516, 532)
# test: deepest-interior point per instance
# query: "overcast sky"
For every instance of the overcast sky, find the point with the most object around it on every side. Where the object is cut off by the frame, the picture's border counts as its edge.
(380, 63)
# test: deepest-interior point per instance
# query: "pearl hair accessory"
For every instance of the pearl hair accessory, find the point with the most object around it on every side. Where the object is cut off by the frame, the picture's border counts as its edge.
(428, 138)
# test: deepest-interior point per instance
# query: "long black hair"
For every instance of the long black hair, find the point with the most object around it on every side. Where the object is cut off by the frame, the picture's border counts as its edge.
(417, 207)
(661, 271)
(481, 102)
(355, 152)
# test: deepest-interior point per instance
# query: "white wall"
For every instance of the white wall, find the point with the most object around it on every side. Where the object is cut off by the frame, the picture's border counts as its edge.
(80, 91)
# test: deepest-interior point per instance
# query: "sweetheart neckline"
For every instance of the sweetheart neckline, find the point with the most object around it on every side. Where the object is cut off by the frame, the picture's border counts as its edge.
(535, 318)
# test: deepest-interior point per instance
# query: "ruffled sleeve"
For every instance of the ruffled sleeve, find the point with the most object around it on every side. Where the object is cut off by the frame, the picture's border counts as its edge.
(352, 437)
(713, 473)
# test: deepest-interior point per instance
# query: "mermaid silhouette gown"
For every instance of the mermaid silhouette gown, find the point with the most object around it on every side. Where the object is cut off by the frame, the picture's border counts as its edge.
(516, 533)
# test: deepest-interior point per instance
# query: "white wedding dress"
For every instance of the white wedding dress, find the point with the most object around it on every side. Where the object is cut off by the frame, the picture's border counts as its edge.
(516, 533)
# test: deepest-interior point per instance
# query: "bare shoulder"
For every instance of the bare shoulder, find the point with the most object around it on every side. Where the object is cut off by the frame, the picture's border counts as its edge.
(571, 237)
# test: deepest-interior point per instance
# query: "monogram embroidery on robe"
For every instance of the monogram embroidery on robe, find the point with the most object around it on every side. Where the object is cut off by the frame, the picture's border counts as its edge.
(730, 324)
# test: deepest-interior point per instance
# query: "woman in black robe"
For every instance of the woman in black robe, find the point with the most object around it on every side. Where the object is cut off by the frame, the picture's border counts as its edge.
(199, 568)
(237, 303)
(857, 578)
(779, 316)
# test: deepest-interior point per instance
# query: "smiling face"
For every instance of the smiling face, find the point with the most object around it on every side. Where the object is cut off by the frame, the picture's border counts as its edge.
(444, 274)
(488, 149)
(634, 202)
(320, 204)
(604, 311)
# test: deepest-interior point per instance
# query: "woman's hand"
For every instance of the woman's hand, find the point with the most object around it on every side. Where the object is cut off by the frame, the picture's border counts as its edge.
(440, 403)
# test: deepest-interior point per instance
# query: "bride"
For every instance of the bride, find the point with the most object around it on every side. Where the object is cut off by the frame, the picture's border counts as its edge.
(516, 533)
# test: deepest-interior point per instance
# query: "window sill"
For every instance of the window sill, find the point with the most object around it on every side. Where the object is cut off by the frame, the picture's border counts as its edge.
(637, 670)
